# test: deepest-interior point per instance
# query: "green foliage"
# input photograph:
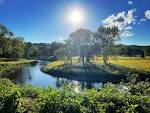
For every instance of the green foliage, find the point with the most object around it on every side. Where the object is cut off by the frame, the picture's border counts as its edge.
(12, 47)
(107, 37)
(138, 87)
(9, 97)
(107, 100)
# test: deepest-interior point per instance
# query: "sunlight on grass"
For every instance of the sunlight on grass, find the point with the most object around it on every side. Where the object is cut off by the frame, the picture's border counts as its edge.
(53, 65)
(138, 64)
(131, 63)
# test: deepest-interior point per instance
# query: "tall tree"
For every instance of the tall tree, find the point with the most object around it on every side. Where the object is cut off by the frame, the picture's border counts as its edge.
(106, 36)
(80, 42)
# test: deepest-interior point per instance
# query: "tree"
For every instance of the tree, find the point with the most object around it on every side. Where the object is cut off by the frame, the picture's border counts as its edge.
(54, 46)
(18, 47)
(6, 47)
(79, 44)
(5, 42)
(5, 32)
(106, 37)
(147, 51)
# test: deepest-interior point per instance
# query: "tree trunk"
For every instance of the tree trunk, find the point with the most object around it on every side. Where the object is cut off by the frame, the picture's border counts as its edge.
(105, 59)
(87, 59)
(83, 60)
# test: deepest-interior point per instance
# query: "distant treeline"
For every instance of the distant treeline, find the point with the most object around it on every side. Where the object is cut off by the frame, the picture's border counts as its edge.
(12, 47)
(133, 50)
(41, 50)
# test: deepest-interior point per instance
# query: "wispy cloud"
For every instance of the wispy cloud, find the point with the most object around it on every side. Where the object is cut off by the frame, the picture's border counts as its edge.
(143, 20)
(130, 2)
(123, 20)
(128, 28)
(127, 34)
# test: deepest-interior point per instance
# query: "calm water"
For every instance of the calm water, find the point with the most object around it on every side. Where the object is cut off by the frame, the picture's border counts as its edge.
(33, 75)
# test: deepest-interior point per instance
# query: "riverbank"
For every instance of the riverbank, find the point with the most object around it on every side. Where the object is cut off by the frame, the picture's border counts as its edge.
(8, 67)
(79, 73)
(117, 66)
(131, 97)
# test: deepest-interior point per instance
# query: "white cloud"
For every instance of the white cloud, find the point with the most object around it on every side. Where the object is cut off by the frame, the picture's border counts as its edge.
(128, 28)
(147, 14)
(123, 20)
(126, 34)
(130, 2)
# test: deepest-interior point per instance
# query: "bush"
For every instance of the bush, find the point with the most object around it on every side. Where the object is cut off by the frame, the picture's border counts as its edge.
(107, 100)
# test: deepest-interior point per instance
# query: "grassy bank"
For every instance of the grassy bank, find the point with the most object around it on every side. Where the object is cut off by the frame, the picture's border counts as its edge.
(7, 67)
(117, 66)
(121, 98)
(53, 65)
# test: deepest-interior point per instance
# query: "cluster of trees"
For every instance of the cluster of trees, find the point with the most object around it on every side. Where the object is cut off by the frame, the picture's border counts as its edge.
(12, 47)
(82, 43)
(86, 44)
(41, 50)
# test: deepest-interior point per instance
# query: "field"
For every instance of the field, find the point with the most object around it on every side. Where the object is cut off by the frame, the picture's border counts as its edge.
(138, 64)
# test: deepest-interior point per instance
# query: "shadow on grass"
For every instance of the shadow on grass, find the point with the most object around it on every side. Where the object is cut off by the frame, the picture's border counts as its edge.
(95, 73)
(89, 73)
(124, 70)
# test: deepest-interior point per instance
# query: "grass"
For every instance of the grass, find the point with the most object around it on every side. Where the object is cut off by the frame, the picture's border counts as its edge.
(7, 67)
(53, 65)
(138, 64)
(117, 66)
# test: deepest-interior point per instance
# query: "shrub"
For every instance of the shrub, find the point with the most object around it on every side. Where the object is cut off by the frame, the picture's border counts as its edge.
(109, 99)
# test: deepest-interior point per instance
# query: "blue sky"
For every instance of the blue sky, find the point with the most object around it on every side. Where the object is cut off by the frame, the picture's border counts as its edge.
(45, 20)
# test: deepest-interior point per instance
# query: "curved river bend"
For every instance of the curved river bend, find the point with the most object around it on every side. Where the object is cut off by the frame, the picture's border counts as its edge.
(34, 76)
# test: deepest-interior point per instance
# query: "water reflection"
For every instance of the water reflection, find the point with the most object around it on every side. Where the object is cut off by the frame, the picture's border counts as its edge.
(77, 85)
(33, 75)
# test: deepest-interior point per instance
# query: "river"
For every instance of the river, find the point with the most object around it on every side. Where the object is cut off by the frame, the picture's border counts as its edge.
(33, 75)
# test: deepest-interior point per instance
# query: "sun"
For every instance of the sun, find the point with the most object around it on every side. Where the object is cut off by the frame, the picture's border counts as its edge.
(76, 16)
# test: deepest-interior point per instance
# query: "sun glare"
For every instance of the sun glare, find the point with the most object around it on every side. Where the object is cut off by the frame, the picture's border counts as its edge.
(76, 16)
